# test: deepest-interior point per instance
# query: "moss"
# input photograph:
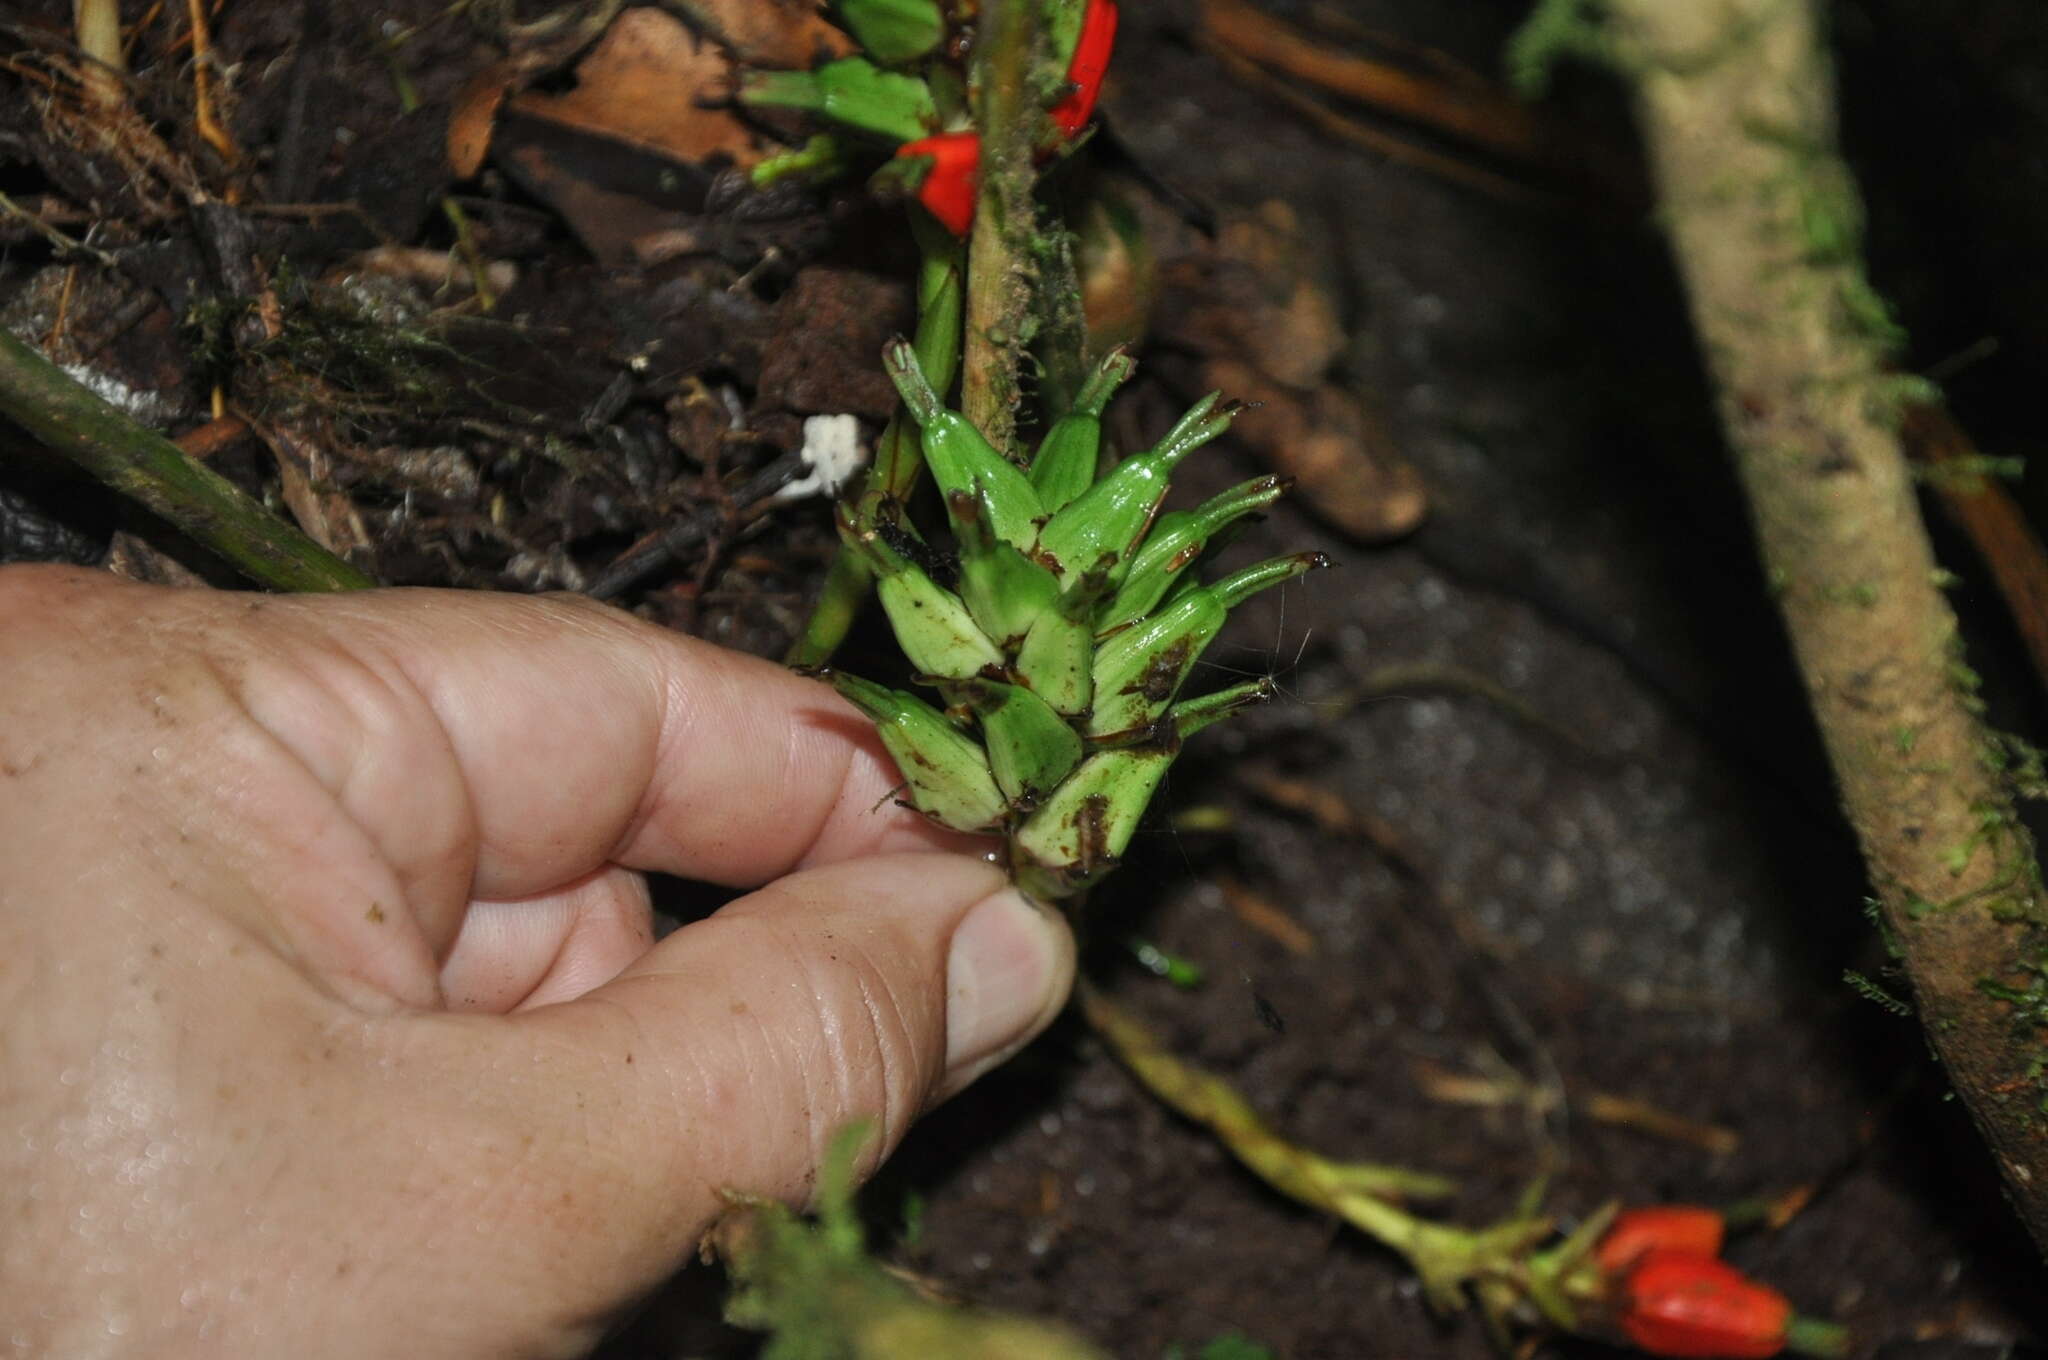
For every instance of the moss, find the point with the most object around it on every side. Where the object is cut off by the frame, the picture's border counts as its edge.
(1875, 993)
(1557, 31)
(1966, 473)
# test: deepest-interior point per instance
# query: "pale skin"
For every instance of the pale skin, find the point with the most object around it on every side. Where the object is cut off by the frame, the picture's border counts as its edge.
(331, 1020)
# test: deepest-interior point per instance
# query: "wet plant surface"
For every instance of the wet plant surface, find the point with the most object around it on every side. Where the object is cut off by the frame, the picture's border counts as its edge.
(1535, 870)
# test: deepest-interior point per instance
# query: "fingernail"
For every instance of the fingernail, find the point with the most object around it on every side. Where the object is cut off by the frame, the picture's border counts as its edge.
(1007, 975)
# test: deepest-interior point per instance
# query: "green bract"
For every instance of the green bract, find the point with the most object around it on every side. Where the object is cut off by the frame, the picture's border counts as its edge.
(1059, 632)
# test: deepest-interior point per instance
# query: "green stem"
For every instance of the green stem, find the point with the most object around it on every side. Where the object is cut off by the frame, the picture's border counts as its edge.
(898, 459)
(1811, 1336)
(141, 464)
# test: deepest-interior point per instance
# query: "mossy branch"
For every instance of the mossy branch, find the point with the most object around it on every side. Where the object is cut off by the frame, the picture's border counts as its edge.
(1735, 98)
(70, 419)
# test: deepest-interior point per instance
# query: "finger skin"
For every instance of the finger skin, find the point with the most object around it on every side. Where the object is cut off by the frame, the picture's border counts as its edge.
(537, 951)
(685, 1087)
(476, 747)
(244, 837)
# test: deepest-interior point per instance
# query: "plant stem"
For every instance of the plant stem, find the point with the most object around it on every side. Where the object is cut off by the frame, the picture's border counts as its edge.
(141, 464)
(1735, 99)
(97, 25)
(898, 459)
(1000, 275)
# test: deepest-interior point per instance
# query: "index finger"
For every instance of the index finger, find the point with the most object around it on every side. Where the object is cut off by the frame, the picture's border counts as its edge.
(579, 735)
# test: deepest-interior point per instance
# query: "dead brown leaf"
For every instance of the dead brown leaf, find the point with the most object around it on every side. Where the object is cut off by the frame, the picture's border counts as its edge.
(135, 559)
(306, 479)
(788, 34)
(1254, 294)
(476, 112)
(1338, 452)
(647, 83)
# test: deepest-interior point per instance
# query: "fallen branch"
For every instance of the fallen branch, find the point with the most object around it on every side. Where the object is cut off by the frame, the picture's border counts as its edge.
(141, 464)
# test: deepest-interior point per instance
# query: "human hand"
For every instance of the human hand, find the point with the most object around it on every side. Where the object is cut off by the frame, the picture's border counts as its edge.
(330, 1016)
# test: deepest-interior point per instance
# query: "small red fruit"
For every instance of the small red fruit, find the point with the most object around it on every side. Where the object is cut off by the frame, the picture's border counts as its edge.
(1678, 1303)
(950, 186)
(1672, 1227)
(1087, 66)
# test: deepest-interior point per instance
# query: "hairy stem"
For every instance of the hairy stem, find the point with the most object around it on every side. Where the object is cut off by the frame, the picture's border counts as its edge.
(1000, 274)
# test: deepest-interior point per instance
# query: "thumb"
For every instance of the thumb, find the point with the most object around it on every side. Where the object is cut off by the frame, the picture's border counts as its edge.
(728, 1056)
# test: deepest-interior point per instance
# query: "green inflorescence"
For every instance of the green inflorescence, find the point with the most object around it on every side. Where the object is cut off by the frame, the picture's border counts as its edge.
(1058, 632)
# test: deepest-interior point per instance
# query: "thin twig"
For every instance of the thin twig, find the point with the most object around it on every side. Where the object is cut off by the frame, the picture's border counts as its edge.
(49, 233)
(643, 561)
(1994, 522)
(1480, 115)
(203, 116)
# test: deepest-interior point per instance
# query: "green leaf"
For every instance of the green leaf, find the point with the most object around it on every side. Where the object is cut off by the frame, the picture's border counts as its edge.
(1057, 659)
(1139, 670)
(894, 32)
(853, 91)
(1005, 591)
(932, 624)
(1079, 833)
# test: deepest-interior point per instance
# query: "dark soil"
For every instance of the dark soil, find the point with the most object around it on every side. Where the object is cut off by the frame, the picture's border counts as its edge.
(1630, 884)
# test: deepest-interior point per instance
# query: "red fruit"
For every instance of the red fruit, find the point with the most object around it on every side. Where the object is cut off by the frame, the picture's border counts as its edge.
(950, 186)
(1678, 1303)
(1672, 1227)
(1087, 67)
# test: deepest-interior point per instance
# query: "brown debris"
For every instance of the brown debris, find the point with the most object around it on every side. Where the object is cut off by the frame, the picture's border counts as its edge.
(1338, 452)
(1657, 1122)
(435, 269)
(1428, 92)
(306, 479)
(1270, 334)
(133, 558)
(475, 113)
(1484, 116)
(829, 327)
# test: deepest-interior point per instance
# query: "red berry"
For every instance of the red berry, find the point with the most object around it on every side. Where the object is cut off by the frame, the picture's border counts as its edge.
(1674, 1227)
(1087, 67)
(950, 186)
(1678, 1303)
